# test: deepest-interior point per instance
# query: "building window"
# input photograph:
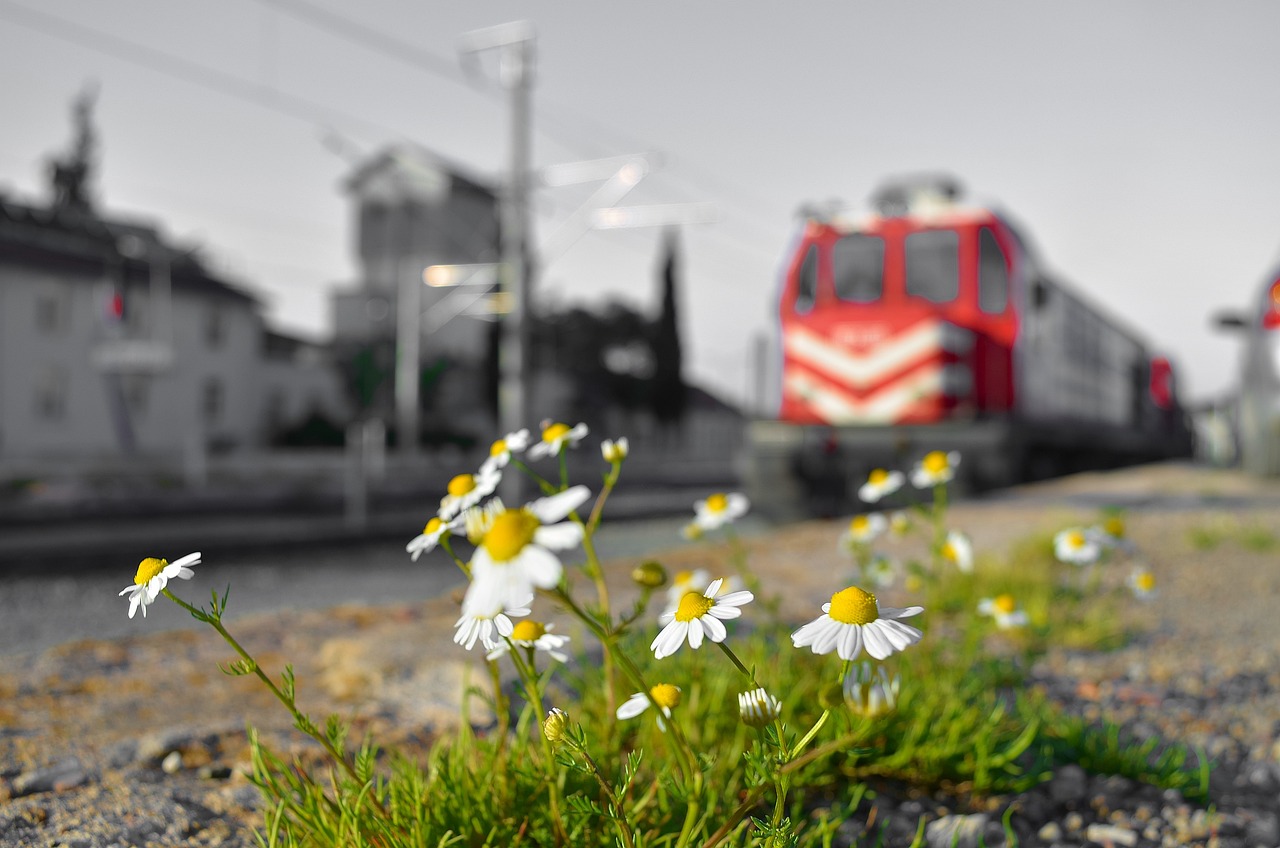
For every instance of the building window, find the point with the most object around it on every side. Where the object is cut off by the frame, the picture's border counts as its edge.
(215, 327)
(213, 400)
(52, 311)
(52, 386)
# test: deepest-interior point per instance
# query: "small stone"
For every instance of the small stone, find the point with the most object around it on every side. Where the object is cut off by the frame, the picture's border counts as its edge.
(1110, 834)
(63, 775)
(1073, 822)
(172, 763)
(1051, 832)
(214, 772)
(1069, 785)
(956, 831)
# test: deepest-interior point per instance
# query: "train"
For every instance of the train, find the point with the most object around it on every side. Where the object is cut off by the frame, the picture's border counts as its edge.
(928, 323)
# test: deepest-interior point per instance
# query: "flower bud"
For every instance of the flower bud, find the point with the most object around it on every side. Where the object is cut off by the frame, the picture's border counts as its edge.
(650, 574)
(758, 708)
(614, 452)
(554, 726)
(869, 691)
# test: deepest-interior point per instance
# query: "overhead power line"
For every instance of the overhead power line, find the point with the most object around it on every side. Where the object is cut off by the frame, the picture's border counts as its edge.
(136, 53)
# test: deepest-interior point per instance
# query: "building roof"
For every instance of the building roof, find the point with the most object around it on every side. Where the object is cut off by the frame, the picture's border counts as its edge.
(417, 171)
(76, 239)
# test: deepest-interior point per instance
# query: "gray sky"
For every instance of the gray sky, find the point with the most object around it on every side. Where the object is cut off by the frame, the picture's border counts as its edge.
(1136, 143)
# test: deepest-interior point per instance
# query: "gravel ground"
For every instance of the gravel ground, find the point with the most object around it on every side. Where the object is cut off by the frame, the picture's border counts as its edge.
(128, 739)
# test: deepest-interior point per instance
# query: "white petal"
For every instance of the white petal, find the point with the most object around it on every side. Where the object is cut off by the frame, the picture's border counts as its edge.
(724, 613)
(695, 633)
(735, 599)
(189, 559)
(903, 612)
(668, 641)
(830, 636)
(559, 537)
(713, 588)
(555, 508)
(878, 644)
(715, 630)
(850, 643)
(633, 706)
(540, 566)
(807, 633)
(901, 635)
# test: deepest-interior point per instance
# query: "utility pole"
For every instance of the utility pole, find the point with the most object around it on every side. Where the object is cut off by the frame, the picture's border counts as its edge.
(515, 41)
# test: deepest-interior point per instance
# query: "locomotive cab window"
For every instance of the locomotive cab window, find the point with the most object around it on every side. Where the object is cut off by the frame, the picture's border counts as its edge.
(993, 275)
(858, 266)
(933, 265)
(807, 280)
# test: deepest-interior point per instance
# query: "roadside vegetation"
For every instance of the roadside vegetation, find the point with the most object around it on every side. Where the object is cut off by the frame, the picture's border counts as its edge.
(697, 715)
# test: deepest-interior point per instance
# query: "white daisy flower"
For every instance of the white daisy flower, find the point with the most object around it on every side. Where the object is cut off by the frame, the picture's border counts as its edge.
(614, 452)
(1076, 546)
(864, 529)
(720, 509)
(535, 635)
(684, 582)
(958, 550)
(880, 484)
(500, 452)
(666, 696)
(151, 578)
(936, 468)
(698, 615)
(899, 523)
(426, 541)
(482, 625)
(554, 438)
(881, 571)
(514, 553)
(467, 490)
(870, 691)
(1004, 609)
(1142, 583)
(758, 708)
(853, 620)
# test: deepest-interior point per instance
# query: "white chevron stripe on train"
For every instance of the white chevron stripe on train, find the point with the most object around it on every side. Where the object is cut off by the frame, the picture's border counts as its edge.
(861, 370)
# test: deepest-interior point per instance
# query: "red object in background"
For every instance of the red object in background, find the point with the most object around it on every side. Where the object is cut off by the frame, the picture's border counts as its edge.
(1162, 383)
(115, 305)
(879, 352)
(1271, 317)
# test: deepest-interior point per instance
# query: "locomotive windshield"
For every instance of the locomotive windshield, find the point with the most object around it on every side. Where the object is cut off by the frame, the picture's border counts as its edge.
(858, 266)
(933, 265)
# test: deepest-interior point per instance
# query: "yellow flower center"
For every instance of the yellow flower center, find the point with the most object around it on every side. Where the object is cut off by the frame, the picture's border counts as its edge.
(935, 462)
(1146, 581)
(683, 578)
(877, 477)
(498, 448)
(1114, 527)
(665, 695)
(1004, 604)
(148, 569)
(528, 631)
(432, 526)
(461, 485)
(853, 606)
(949, 553)
(718, 502)
(1075, 539)
(554, 432)
(512, 529)
(692, 605)
(859, 525)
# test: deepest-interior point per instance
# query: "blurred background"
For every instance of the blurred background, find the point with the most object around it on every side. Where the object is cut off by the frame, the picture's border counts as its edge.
(247, 247)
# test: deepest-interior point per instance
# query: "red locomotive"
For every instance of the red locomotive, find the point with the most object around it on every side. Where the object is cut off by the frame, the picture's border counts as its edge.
(931, 325)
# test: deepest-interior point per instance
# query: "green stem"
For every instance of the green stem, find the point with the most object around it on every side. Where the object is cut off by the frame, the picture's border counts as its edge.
(457, 560)
(529, 676)
(619, 815)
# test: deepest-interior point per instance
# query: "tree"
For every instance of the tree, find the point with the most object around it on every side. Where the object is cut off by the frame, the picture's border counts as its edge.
(667, 398)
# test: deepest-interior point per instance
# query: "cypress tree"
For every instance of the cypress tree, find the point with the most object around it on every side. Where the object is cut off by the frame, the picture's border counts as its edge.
(668, 390)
